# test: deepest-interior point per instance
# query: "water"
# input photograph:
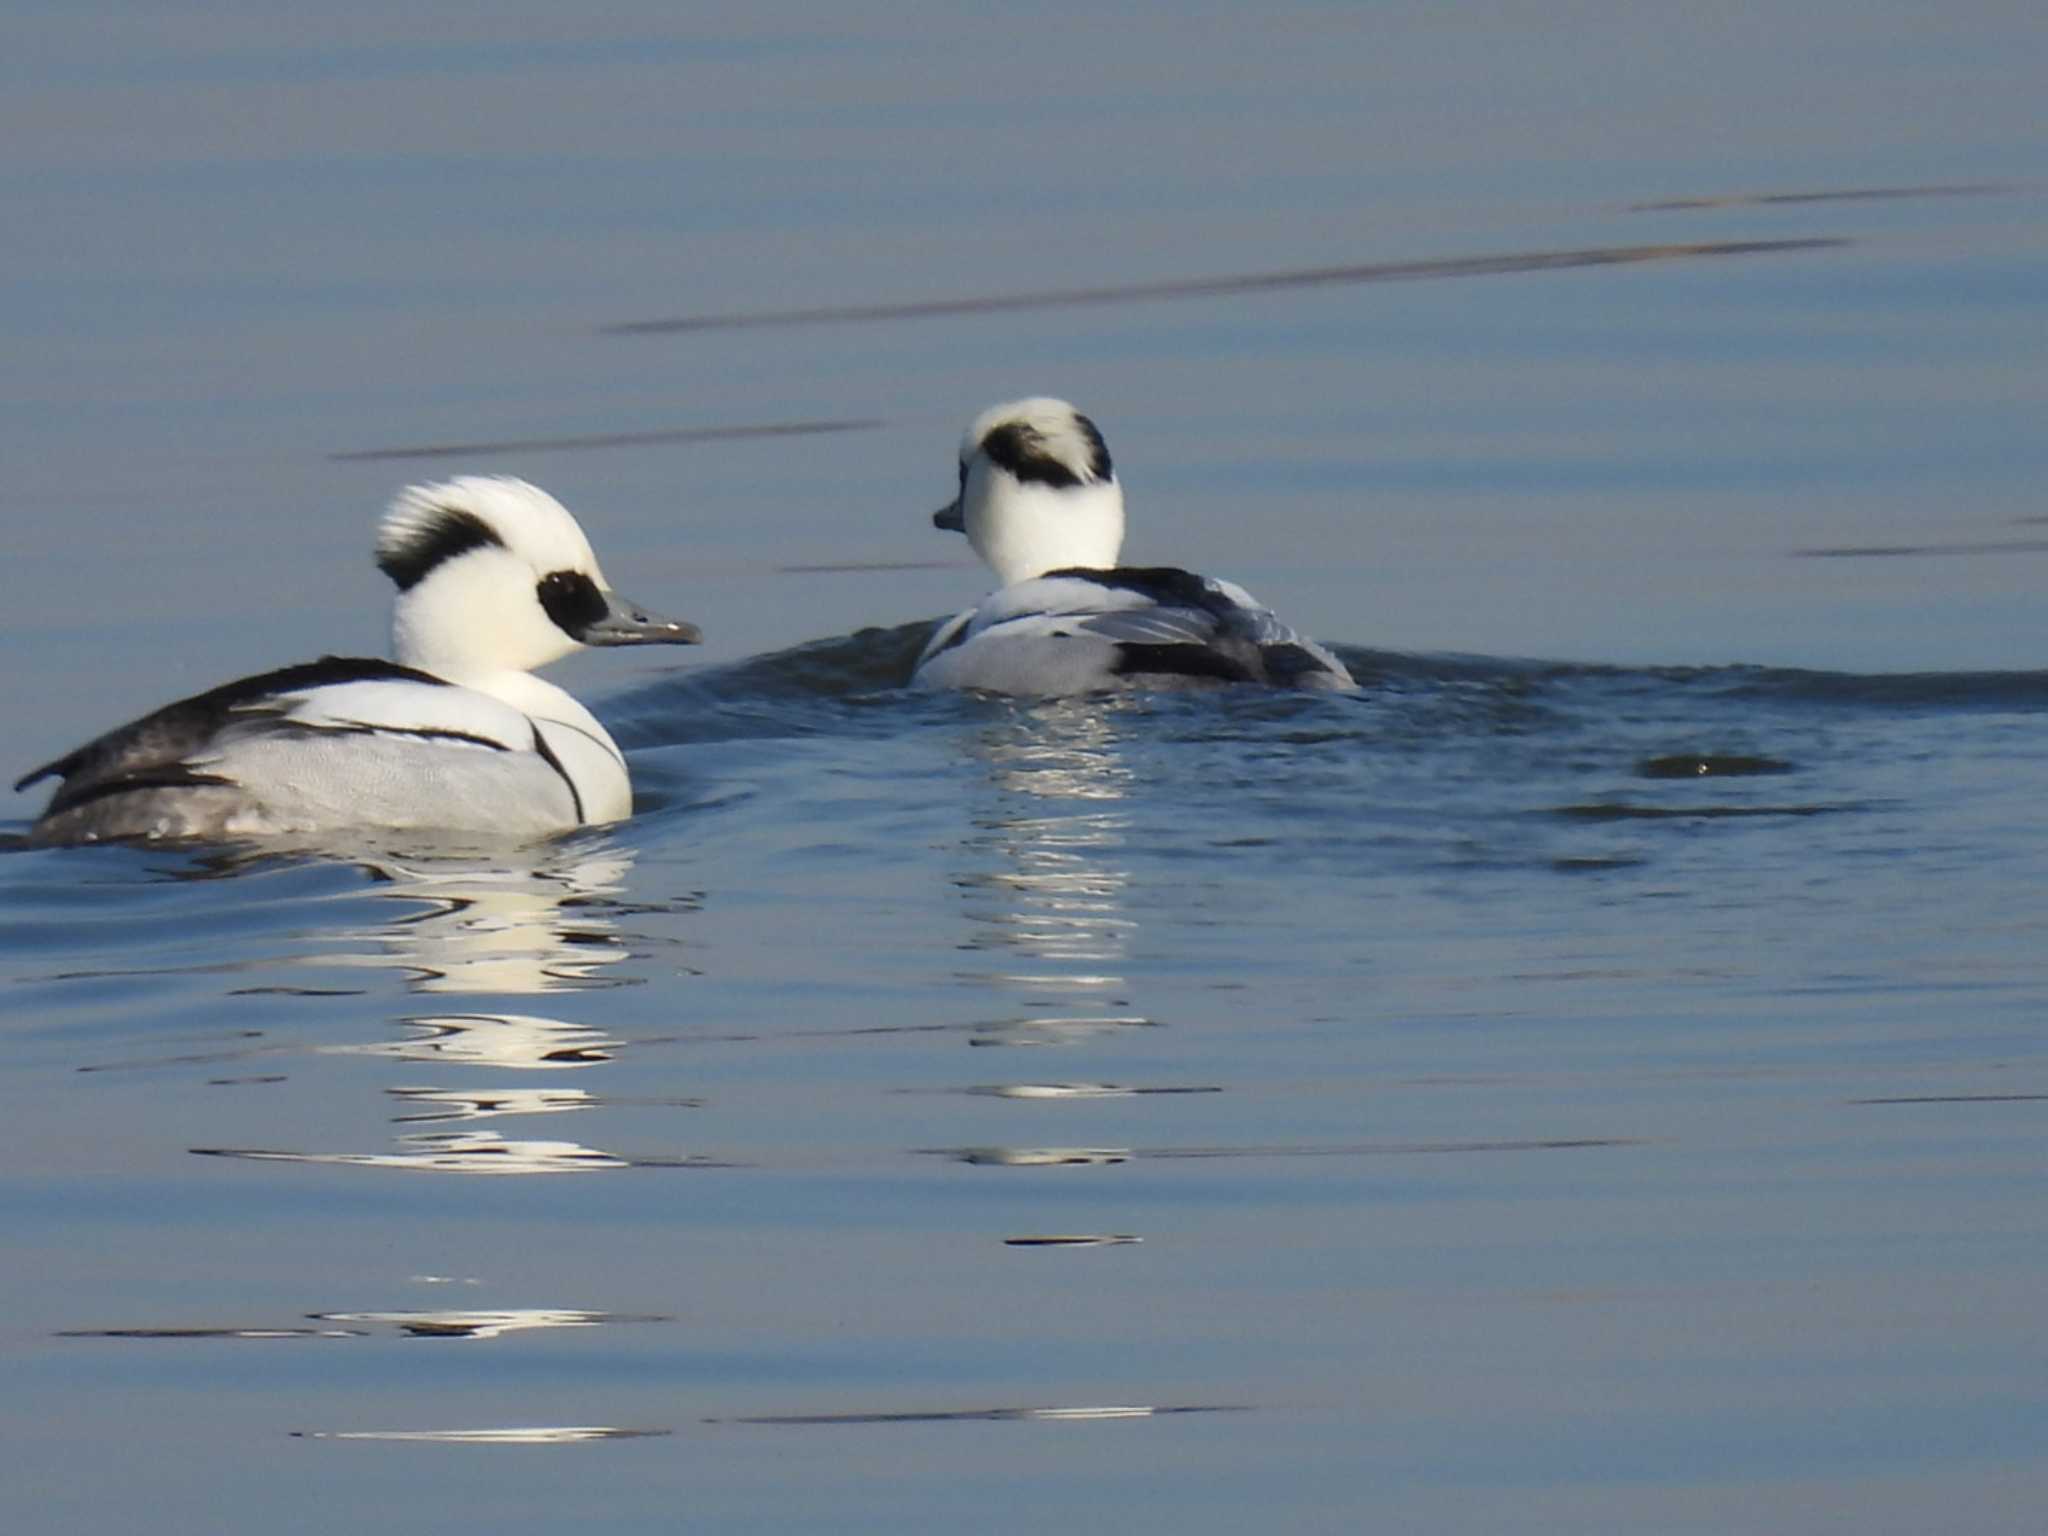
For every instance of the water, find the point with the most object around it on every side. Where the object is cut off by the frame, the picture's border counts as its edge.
(1597, 1091)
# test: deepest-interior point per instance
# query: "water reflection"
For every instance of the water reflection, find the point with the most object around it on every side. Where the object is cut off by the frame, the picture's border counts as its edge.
(1043, 1030)
(472, 1152)
(473, 1324)
(473, 925)
(480, 1325)
(543, 924)
(519, 1042)
(1048, 893)
(210, 1333)
(444, 1104)
(1042, 1157)
(1045, 897)
(1035, 1157)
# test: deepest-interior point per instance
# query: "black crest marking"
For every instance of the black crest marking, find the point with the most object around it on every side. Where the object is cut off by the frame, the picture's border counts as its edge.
(1020, 448)
(572, 601)
(448, 533)
(1099, 467)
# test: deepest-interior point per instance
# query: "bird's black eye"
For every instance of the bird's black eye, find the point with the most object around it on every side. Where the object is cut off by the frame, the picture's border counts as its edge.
(572, 600)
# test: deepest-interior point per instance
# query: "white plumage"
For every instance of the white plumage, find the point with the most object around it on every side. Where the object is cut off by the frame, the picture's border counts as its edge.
(494, 579)
(1040, 503)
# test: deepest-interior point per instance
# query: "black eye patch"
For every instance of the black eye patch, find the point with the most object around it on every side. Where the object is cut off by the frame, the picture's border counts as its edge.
(572, 600)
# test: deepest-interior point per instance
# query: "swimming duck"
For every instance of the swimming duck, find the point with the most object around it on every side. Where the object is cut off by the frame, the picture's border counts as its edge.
(1040, 503)
(494, 578)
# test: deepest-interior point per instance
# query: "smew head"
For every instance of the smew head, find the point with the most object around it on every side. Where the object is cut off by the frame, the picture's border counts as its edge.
(494, 575)
(1037, 491)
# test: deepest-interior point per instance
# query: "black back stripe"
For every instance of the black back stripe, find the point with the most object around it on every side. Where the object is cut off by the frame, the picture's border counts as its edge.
(547, 755)
(963, 627)
(412, 732)
(1288, 663)
(1166, 585)
(1182, 661)
(324, 673)
(168, 733)
(171, 777)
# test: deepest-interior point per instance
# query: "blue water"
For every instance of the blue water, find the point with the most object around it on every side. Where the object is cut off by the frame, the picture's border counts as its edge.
(1591, 1079)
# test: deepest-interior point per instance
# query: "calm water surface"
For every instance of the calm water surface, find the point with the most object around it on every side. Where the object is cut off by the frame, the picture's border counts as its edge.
(1602, 1092)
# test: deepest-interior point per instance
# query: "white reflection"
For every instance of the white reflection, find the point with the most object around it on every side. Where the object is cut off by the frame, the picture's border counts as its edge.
(1039, 1157)
(472, 1152)
(1050, 884)
(520, 1042)
(482, 1325)
(537, 924)
(486, 1103)
(1044, 1030)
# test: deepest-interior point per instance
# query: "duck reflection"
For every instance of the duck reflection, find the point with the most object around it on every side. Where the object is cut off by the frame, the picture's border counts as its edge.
(482, 1325)
(545, 923)
(444, 1104)
(520, 1042)
(1048, 895)
(472, 1152)
(1046, 900)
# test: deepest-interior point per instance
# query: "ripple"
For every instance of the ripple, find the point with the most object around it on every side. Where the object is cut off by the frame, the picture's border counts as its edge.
(552, 1434)
(1212, 287)
(1623, 811)
(1847, 195)
(210, 1333)
(1041, 1157)
(470, 1152)
(1071, 1090)
(1077, 1240)
(773, 429)
(1064, 1415)
(1701, 765)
